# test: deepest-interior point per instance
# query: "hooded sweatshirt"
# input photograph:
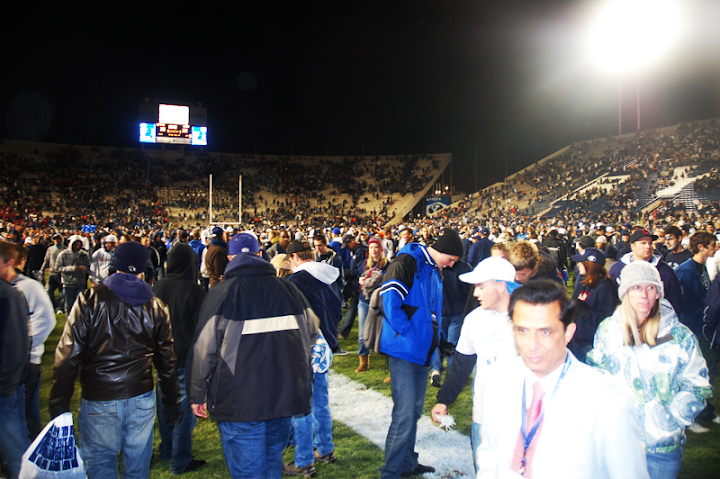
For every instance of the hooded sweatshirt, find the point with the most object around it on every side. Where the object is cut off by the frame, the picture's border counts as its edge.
(131, 289)
(314, 280)
(67, 262)
(183, 296)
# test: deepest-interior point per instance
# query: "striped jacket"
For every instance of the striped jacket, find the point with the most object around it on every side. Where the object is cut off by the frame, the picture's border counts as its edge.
(411, 302)
(250, 359)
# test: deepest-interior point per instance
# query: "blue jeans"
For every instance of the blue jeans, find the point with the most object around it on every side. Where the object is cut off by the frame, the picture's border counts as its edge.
(408, 385)
(363, 308)
(108, 427)
(664, 465)
(14, 438)
(54, 283)
(318, 421)
(253, 450)
(70, 294)
(475, 442)
(451, 325)
(176, 443)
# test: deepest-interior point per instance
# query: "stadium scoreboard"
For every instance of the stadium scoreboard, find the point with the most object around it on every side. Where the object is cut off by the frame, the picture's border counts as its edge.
(176, 124)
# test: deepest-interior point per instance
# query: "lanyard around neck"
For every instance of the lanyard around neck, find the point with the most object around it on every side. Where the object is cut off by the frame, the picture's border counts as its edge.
(528, 436)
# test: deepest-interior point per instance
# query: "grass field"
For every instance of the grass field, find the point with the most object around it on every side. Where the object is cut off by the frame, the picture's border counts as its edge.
(358, 457)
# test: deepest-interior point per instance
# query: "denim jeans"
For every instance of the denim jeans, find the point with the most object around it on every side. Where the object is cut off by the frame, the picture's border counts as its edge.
(176, 443)
(409, 384)
(451, 325)
(70, 293)
(13, 429)
(475, 442)
(54, 283)
(318, 421)
(253, 450)
(349, 319)
(363, 308)
(664, 465)
(109, 427)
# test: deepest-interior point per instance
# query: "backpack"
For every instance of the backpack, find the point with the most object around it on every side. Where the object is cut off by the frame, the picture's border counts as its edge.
(373, 323)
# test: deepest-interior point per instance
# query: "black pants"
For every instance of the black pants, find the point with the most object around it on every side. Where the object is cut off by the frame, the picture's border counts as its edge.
(32, 411)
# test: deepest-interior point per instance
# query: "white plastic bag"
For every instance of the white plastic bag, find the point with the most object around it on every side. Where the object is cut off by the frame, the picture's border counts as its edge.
(54, 453)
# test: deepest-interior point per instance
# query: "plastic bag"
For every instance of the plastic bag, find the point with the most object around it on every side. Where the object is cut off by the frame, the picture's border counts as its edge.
(54, 453)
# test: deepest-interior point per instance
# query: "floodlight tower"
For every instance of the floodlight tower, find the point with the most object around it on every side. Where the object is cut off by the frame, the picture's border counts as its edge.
(627, 35)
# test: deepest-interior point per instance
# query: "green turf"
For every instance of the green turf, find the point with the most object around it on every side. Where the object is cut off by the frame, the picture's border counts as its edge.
(357, 456)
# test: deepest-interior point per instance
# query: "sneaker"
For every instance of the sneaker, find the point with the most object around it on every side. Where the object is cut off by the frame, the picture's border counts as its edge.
(419, 470)
(328, 458)
(435, 380)
(697, 428)
(339, 352)
(290, 469)
(193, 465)
(716, 420)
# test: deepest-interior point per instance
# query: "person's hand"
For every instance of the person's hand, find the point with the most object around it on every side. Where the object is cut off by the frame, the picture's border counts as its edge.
(446, 348)
(200, 410)
(80, 268)
(173, 415)
(440, 410)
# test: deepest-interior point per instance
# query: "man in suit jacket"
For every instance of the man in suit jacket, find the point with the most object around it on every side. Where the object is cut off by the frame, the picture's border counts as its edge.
(586, 427)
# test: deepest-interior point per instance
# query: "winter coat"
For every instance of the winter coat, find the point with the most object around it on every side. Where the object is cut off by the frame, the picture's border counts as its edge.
(250, 359)
(669, 381)
(412, 296)
(116, 331)
(315, 281)
(183, 296)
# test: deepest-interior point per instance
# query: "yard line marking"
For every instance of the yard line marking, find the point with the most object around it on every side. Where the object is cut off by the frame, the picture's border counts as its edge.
(368, 412)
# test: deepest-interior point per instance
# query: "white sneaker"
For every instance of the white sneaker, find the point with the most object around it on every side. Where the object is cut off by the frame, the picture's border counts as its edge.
(716, 420)
(697, 428)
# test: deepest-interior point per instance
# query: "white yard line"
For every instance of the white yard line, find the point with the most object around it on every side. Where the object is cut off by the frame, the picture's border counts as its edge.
(368, 413)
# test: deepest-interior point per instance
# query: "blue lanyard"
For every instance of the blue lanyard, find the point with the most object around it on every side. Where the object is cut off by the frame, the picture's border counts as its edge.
(529, 436)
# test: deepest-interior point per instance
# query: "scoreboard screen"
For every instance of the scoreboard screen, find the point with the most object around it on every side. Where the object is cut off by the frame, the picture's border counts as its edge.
(172, 124)
(170, 133)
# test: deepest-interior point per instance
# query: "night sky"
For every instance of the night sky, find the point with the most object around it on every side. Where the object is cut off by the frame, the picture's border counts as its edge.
(506, 78)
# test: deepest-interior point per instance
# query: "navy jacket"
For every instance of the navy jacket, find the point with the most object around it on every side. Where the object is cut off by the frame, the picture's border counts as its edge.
(694, 296)
(479, 251)
(251, 354)
(324, 302)
(712, 314)
(600, 303)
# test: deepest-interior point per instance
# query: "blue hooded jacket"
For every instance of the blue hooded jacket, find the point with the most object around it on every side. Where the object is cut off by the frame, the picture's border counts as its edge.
(411, 302)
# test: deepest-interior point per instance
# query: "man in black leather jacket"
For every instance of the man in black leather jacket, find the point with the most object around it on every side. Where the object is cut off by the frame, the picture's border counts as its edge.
(116, 331)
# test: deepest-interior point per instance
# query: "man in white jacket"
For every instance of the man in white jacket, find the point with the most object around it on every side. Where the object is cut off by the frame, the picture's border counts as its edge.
(42, 322)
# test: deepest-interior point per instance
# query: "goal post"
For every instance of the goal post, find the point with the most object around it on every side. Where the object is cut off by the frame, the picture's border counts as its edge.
(210, 204)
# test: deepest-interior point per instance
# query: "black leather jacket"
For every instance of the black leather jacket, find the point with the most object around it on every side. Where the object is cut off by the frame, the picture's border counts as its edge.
(116, 344)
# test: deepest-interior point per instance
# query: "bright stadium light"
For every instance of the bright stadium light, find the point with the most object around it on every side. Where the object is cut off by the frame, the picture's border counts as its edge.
(628, 35)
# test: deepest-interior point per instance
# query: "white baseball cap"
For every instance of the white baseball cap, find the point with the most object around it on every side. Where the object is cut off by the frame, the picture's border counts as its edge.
(495, 268)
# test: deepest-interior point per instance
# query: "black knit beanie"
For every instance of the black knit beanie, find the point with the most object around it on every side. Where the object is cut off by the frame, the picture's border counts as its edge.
(449, 243)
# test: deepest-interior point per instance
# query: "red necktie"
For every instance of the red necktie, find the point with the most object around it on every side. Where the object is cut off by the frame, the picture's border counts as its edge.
(532, 415)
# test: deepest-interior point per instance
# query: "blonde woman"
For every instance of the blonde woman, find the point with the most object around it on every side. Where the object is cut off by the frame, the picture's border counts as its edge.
(376, 261)
(656, 359)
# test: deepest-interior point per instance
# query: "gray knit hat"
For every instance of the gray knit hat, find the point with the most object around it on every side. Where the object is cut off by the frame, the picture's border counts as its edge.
(639, 272)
